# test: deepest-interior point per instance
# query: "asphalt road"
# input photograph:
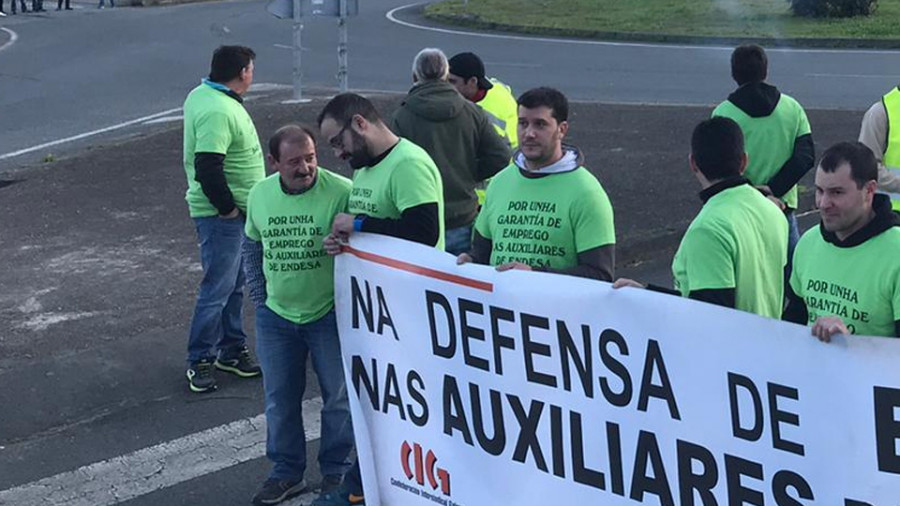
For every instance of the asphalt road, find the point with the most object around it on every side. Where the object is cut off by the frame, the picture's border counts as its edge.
(75, 72)
(100, 261)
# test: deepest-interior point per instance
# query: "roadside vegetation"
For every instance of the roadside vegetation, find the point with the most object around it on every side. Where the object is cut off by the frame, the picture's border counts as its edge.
(658, 19)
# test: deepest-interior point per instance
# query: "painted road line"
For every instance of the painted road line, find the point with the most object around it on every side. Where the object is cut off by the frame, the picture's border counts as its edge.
(392, 17)
(855, 76)
(257, 88)
(157, 467)
(164, 119)
(13, 37)
(87, 134)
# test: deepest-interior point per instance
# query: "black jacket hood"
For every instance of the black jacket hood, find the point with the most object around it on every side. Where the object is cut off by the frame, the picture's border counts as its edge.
(757, 99)
(885, 218)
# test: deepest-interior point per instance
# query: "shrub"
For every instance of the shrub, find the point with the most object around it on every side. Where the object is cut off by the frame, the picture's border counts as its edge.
(833, 8)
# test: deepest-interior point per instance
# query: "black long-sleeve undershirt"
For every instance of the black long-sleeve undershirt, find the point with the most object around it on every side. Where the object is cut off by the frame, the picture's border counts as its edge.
(800, 162)
(725, 297)
(209, 171)
(418, 224)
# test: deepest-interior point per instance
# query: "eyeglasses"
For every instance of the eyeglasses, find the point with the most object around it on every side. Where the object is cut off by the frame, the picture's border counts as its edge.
(337, 142)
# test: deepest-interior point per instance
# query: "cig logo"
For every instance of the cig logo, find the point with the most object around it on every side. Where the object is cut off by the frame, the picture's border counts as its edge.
(423, 468)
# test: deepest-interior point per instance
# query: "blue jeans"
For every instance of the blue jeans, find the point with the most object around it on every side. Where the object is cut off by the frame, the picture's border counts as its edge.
(458, 240)
(282, 347)
(216, 324)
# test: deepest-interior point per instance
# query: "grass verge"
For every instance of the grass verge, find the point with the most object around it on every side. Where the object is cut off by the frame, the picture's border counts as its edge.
(670, 19)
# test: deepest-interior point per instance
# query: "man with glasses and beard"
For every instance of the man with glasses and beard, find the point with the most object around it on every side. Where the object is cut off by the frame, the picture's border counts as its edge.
(397, 189)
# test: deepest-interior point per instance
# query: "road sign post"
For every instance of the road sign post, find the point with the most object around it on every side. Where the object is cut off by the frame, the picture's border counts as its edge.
(342, 46)
(295, 9)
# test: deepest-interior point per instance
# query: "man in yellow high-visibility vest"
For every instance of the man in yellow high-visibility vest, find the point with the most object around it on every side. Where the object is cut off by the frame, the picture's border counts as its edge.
(880, 132)
(495, 99)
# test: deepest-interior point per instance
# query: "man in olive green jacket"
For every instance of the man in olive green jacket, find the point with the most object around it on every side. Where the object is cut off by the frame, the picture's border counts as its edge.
(458, 136)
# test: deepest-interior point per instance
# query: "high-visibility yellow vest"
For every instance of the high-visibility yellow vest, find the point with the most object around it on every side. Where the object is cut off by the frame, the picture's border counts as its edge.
(891, 102)
(503, 111)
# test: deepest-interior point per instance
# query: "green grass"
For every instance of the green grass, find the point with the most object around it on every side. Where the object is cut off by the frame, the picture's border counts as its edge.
(717, 18)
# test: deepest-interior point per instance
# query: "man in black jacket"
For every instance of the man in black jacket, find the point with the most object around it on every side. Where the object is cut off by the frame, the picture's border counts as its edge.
(457, 135)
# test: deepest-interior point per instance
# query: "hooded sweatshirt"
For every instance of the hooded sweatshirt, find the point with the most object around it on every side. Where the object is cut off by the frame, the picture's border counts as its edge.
(777, 137)
(856, 279)
(546, 218)
(459, 138)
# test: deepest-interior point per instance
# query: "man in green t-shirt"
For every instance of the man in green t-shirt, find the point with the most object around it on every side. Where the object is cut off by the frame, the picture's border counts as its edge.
(777, 136)
(397, 188)
(291, 282)
(222, 161)
(397, 191)
(545, 211)
(846, 277)
(733, 253)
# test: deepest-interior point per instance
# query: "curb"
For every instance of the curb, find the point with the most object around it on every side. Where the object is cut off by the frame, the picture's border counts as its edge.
(474, 22)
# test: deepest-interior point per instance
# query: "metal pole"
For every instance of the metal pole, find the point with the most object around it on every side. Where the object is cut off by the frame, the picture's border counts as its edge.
(298, 70)
(342, 46)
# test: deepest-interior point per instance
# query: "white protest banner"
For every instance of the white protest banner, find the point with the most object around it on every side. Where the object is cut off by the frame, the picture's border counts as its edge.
(472, 387)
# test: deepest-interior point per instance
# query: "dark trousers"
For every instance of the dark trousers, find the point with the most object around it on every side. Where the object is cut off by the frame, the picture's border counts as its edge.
(12, 6)
(59, 4)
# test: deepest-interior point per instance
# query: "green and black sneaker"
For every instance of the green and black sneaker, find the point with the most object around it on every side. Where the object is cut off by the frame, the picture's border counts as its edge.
(241, 364)
(200, 377)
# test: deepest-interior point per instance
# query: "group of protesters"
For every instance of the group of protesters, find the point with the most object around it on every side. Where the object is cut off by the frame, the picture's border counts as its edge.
(417, 176)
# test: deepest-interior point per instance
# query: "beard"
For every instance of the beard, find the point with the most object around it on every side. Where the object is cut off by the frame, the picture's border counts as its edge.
(360, 156)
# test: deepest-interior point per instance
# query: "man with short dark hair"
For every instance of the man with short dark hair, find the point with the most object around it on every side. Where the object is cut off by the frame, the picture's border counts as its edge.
(846, 277)
(222, 160)
(545, 211)
(458, 137)
(777, 136)
(291, 282)
(734, 251)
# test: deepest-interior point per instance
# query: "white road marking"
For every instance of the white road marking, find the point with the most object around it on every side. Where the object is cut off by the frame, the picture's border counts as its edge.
(164, 119)
(87, 134)
(856, 76)
(13, 37)
(493, 64)
(289, 48)
(164, 465)
(257, 88)
(392, 16)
